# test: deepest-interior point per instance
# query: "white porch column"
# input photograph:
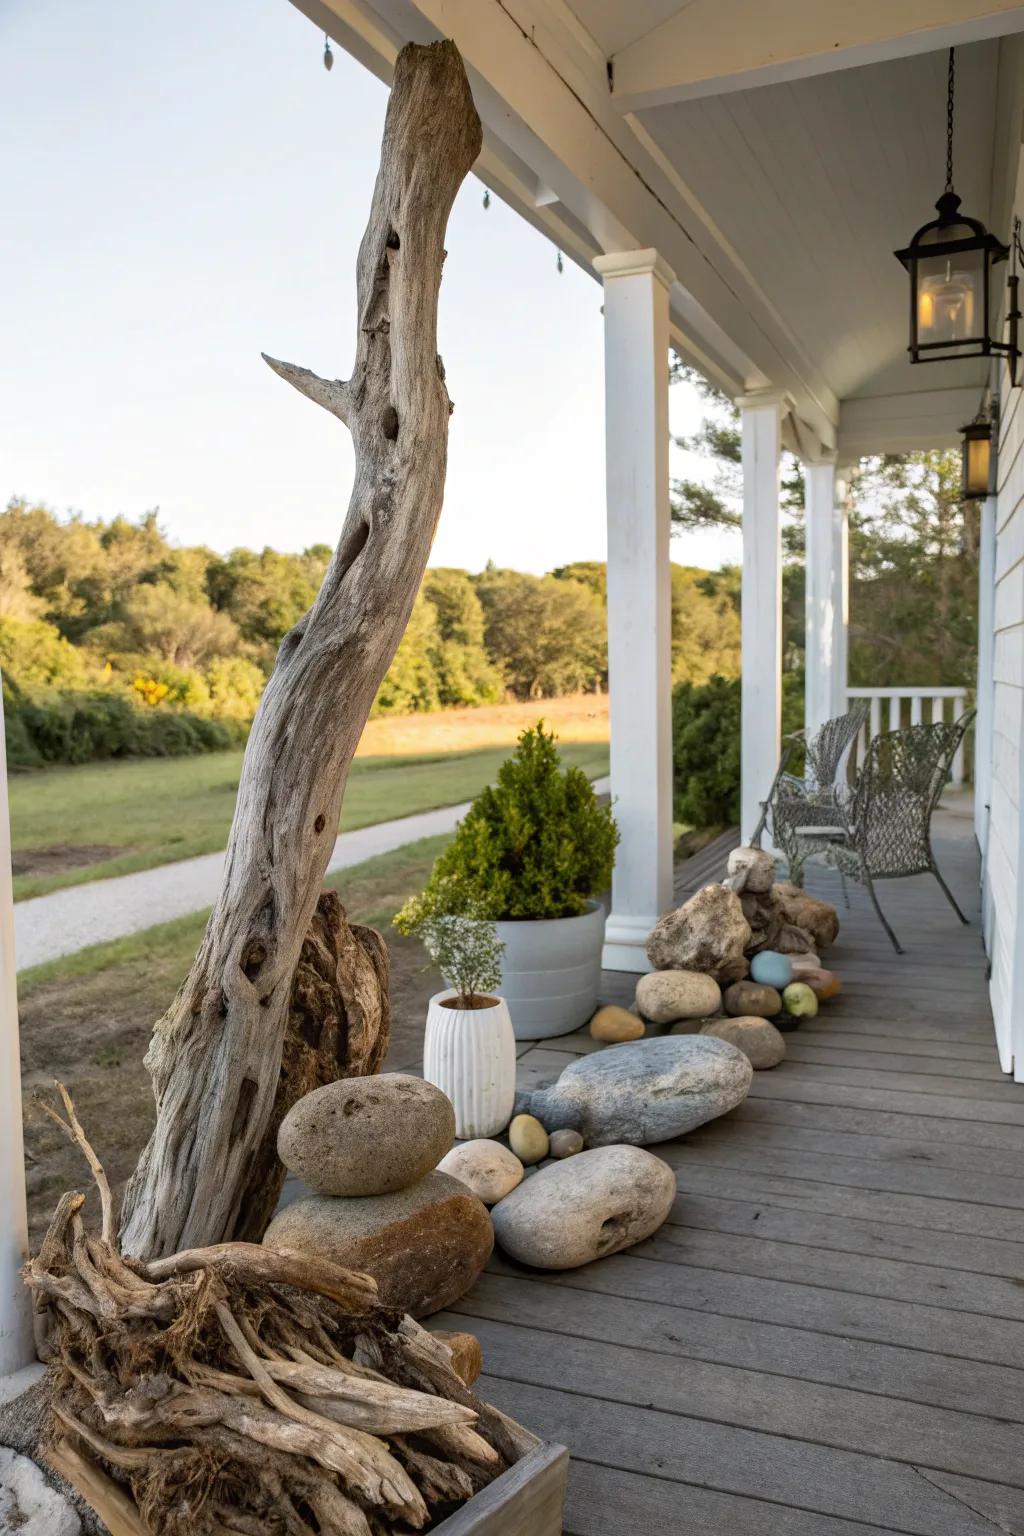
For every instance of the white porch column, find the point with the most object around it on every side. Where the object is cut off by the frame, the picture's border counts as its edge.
(636, 295)
(761, 631)
(986, 650)
(841, 589)
(821, 556)
(17, 1349)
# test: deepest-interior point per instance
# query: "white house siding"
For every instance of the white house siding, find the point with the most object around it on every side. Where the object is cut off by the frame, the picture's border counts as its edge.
(1004, 863)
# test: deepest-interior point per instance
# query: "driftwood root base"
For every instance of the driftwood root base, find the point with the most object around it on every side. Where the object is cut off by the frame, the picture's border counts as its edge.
(242, 1389)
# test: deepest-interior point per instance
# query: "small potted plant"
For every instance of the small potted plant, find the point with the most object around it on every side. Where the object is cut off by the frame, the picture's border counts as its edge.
(469, 1050)
(534, 852)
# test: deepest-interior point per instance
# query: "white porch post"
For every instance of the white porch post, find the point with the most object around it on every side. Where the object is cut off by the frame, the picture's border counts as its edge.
(986, 649)
(821, 557)
(17, 1349)
(761, 631)
(841, 589)
(636, 297)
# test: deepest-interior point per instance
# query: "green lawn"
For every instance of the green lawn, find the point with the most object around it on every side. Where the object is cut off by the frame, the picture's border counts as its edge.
(155, 960)
(70, 825)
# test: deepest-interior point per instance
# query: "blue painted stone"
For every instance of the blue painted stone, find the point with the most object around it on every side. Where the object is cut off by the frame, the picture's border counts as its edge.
(772, 969)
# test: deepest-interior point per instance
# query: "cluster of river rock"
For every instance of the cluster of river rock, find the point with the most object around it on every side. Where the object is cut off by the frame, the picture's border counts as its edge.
(395, 1197)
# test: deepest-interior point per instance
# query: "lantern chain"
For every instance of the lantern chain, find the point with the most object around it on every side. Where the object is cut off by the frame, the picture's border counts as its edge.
(950, 96)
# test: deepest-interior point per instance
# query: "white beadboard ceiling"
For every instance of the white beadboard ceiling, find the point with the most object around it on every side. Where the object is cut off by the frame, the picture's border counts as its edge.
(614, 26)
(816, 182)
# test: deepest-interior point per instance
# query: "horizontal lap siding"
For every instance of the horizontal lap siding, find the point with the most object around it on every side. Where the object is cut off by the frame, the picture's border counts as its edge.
(1001, 873)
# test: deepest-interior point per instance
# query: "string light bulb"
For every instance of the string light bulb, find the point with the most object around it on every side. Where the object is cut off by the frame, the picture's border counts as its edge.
(560, 262)
(328, 55)
(487, 198)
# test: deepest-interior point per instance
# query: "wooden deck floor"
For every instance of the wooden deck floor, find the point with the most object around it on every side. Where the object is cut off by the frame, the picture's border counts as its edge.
(827, 1337)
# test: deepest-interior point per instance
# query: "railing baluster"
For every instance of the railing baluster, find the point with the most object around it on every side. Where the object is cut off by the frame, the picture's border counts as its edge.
(958, 756)
(926, 705)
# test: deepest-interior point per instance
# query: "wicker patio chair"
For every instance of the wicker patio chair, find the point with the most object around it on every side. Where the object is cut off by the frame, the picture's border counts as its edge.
(792, 799)
(885, 830)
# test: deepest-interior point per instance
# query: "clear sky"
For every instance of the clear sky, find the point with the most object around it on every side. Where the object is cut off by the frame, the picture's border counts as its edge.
(185, 186)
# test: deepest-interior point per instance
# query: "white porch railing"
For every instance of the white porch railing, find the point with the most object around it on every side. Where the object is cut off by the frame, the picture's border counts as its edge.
(891, 708)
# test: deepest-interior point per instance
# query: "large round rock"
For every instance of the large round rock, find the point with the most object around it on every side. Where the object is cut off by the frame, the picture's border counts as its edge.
(664, 996)
(367, 1135)
(424, 1246)
(594, 1204)
(757, 1038)
(645, 1092)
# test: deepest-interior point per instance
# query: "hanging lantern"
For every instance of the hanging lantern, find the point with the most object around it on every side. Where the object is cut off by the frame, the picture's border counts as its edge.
(950, 263)
(977, 458)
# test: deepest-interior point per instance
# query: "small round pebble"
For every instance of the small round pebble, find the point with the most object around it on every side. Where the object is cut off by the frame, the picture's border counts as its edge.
(800, 1001)
(528, 1139)
(824, 984)
(565, 1143)
(772, 969)
(614, 1025)
(749, 999)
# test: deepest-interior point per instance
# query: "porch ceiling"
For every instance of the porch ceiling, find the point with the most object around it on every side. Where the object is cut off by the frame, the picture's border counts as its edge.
(778, 206)
(815, 182)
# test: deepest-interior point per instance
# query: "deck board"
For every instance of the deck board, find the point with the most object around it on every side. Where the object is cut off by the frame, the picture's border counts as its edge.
(827, 1336)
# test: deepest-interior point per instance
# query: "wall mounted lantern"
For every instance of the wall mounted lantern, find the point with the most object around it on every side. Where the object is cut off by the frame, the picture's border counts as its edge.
(950, 262)
(977, 458)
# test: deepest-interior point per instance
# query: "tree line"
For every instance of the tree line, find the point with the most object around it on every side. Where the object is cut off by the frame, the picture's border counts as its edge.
(113, 639)
(913, 551)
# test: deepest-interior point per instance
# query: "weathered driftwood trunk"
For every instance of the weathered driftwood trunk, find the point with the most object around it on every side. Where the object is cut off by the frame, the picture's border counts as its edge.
(216, 1056)
(338, 1026)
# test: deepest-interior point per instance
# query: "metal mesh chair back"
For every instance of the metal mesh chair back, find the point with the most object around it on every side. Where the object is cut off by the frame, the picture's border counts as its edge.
(825, 751)
(897, 790)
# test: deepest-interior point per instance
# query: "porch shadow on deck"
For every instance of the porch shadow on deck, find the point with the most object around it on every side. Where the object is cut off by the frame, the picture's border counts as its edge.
(827, 1337)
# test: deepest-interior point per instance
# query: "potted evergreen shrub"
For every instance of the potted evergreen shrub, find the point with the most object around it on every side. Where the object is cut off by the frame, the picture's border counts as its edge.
(534, 852)
(469, 1050)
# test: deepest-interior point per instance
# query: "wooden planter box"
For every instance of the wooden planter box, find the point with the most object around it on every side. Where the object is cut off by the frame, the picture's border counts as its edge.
(526, 1500)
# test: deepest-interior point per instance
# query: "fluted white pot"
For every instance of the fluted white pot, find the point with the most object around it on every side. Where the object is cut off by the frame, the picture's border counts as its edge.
(470, 1054)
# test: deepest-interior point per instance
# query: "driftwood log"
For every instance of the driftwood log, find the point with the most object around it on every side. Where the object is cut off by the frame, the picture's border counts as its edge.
(240, 1389)
(216, 1056)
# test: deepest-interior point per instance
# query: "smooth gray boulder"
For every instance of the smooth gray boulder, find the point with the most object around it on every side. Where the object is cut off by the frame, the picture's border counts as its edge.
(596, 1203)
(367, 1135)
(648, 1091)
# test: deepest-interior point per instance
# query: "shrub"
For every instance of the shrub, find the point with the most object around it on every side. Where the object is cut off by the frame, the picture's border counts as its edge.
(535, 845)
(81, 727)
(706, 747)
(35, 654)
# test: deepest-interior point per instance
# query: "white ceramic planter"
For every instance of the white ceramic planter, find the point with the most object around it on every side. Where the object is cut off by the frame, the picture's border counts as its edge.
(470, 1054)
(551, 972)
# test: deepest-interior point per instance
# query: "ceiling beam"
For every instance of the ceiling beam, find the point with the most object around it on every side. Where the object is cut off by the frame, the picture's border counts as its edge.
(712, 46)
(929, 418)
